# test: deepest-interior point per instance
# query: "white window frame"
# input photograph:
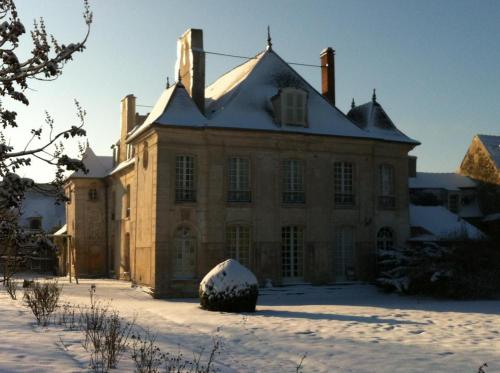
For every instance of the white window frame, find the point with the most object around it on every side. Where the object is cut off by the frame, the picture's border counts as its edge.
(343, 182)
(185, 190)
(292, 253)
(386, 238)
(238, 243)
(293, 181)
(293, 106)
(239, 180)
(344, 258)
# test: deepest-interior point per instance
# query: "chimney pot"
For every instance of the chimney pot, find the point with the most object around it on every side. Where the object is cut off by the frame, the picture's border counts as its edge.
(327, 60)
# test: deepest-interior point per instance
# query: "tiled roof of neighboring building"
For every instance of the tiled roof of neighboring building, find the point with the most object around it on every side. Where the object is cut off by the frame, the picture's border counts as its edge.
(241, 99)
(447, 180)
(442, 223)
(492, 145)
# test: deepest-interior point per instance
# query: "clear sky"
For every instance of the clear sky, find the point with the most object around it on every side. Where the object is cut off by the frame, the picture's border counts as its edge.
(435, 64)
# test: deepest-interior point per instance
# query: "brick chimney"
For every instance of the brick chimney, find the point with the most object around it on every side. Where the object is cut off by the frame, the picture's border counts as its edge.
(190, 66)
(128, 122)
(327, 59)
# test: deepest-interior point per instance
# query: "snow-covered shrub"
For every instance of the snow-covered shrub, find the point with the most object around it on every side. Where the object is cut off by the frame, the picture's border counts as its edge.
(229, 287)
(42, 299)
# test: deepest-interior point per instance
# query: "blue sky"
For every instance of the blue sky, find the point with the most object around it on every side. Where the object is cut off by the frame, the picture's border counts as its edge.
(435, 64)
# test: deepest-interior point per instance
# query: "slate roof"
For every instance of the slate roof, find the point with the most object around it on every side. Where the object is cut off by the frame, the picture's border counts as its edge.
(372, 118)
(241, 99)
(447, 180)
(492, 145)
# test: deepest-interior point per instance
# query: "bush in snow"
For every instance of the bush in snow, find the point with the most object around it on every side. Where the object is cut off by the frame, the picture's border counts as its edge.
(11, 288)
(42, 299)
(229, 287)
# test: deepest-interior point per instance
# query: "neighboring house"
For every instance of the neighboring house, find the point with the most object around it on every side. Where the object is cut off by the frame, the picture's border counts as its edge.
(438, 224)
(482, 160)
(39, 210)
(457, 193)
(258, 166)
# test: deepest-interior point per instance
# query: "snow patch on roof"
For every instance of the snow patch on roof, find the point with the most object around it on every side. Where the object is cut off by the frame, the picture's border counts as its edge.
(122, 166)
(447, 180)
(492, 145)
(442, 223)
(97, 165)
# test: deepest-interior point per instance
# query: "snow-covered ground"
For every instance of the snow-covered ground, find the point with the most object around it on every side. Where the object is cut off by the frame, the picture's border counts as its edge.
(352, 328)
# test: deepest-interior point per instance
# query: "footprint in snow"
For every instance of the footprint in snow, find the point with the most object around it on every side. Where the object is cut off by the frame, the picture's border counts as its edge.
(305, 332)
(446, 353)
(417, 331)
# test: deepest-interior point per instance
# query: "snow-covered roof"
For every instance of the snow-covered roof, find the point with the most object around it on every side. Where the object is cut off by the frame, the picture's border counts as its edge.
(122, 166)
(97, 165)
(62, 230)
(442, 223)
(447, 180)
(492, 145)
(241, 99)
(492, 217)
(372, 118)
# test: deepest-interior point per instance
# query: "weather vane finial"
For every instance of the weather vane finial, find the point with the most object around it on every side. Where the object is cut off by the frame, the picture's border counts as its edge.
(374, 96)
(168, 83)
(269, 43)
(179, 77)
(353, 104)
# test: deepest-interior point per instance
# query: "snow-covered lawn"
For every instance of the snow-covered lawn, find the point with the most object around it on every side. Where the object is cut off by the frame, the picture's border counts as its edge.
(341, 329)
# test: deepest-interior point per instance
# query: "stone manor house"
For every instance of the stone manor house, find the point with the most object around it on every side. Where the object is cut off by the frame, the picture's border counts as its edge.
(258, 166)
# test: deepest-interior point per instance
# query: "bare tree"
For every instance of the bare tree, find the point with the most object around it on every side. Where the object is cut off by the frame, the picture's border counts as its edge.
(46, 61)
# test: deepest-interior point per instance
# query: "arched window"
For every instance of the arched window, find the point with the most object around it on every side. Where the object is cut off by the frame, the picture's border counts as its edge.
(385, 238)
(185, 253)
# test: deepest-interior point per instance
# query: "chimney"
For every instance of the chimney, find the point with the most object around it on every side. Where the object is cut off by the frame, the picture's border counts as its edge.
(327, 59)
(190, 66)
(128, 122)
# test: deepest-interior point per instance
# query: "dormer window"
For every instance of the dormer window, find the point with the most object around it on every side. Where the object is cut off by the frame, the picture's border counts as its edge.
(290, 107)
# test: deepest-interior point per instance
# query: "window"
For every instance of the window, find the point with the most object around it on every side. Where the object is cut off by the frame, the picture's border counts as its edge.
(145, 154)
(127, 202)
(292, 252)
(293, 181)
(35, 223)
(386, 199)
(92, 194)
(344, 254)
(290, 107)
(130, 151)
(238, 243)
(453, 202)
(185, 253)
(239, 180)
(385, 238)
(184, 179)
(343, 183)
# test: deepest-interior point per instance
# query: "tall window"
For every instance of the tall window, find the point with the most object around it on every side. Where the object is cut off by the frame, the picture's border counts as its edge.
(238, 243)
(92, 194)
(127, 202)
(184, 179)
(130, 151)
(293, 181)
(343, 183)
(185, 253)
(344, 254)
(387, 198)
(292, 252)
(385, 238)
(239, 180)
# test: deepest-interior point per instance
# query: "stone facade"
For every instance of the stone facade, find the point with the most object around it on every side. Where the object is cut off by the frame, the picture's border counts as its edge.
(146, 229)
